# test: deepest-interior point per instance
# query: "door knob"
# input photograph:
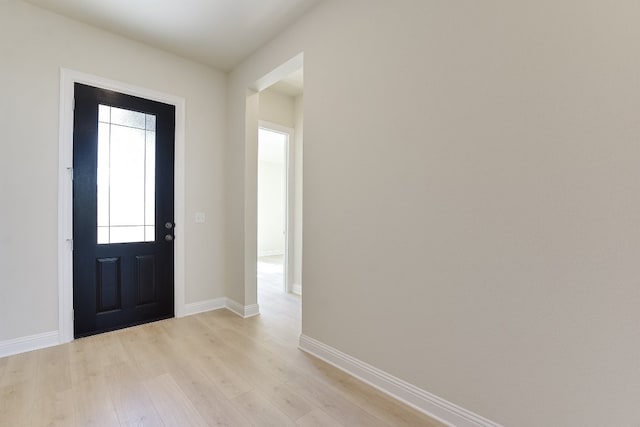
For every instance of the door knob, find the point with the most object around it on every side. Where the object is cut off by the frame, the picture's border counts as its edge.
(168, 237)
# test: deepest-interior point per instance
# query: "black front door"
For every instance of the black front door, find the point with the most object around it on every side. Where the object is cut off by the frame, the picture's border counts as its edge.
(123, 198)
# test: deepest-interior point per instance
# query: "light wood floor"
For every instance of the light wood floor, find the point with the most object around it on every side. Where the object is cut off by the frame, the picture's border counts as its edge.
(209, 369)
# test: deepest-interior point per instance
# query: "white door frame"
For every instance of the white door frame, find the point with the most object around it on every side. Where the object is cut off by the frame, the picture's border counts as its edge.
(65, 190)
(288, 202)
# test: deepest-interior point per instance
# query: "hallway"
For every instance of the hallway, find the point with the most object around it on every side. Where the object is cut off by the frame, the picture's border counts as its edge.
(273, 300)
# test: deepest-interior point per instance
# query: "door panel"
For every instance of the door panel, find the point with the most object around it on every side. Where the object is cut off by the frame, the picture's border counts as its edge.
(123, 198)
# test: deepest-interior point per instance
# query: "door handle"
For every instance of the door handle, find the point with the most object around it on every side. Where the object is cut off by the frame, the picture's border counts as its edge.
(169, 226)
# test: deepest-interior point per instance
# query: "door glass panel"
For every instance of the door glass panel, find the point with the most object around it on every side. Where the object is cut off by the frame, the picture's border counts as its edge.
(150, 176)
(126, 176)
(120, 116)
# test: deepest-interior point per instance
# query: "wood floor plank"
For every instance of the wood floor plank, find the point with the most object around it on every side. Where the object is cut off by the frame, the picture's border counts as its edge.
(3, 368)
(54, 410)
(214, 407)
(93, 404)
(111, 349)
(136, 343)
(172, 404)
(289, 402)
(318, 418)
(254, 358)
(131, 400)
(330, 401)
(230, 383)
(53, 370)
(19, 368)
(246, 365)
(16, 401)
(85, 361)
(260, 411)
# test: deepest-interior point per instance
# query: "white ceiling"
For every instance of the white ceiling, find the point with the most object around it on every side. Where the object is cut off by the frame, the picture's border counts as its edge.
(220, 33)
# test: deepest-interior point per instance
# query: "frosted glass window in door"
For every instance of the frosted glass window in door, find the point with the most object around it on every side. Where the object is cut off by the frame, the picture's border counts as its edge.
(126, 176)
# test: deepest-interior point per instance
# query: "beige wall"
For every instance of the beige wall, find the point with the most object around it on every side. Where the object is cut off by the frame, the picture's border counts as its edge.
(471, 202)
(271, 206)
(276, 107)
(34, 45)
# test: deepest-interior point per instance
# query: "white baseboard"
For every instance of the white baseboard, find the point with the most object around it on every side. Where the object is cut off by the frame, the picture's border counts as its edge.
(204, 306)
(243, 311)
(50, 339)
(270, 253)
(296, 288)
(222, 302)
(413, 396)
(28, 343)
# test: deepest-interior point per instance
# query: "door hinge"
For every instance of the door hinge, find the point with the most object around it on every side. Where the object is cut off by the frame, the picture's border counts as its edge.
(70, 169)
(70, 243)
(74, 103)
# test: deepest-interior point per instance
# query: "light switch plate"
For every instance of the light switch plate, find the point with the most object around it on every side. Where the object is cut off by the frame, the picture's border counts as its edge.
(200, 217)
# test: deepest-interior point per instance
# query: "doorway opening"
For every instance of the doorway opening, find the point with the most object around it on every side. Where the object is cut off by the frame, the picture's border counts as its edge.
(273, 201)
(279, 189)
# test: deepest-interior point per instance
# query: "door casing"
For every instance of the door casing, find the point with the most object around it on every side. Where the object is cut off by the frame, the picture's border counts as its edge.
(65, 201)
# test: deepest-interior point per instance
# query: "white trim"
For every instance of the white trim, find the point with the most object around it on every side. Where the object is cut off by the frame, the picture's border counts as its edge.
(243, 311)
(296, 288)
(270, 253)
(204, 306)
(264, 124)
(413, 396)
(251, 310)
(28, 343)
(65, 211)
(65, 206)
(279, 73)
(235, 307)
